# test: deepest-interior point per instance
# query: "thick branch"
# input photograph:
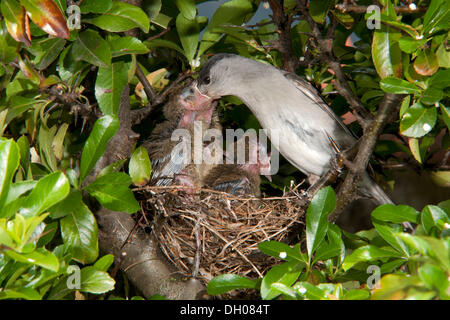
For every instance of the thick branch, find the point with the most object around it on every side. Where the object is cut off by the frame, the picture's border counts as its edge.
(387, 108)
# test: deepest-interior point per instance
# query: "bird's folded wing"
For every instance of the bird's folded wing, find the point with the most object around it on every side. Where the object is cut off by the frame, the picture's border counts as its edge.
(309, 91)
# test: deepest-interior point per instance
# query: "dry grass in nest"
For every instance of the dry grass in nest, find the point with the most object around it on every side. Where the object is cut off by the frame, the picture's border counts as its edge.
(212, 233)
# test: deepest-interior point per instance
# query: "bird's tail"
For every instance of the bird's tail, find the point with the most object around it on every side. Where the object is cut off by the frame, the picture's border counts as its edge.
(373, 191)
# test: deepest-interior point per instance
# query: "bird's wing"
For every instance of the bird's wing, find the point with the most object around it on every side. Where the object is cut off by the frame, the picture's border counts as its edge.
(165, 162)
(310, 92)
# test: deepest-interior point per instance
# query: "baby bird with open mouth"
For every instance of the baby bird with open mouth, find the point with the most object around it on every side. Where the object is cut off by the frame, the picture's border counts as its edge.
(171, 151)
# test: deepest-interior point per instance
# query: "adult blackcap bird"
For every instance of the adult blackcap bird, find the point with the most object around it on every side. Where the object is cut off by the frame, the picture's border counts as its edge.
(306, 129)
(240, 176)
(171, 151)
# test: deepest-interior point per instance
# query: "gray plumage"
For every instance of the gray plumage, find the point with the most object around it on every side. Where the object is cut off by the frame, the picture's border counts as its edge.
(289, 105)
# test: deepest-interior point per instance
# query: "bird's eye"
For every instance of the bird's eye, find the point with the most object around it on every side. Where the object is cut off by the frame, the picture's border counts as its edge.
(206, 80)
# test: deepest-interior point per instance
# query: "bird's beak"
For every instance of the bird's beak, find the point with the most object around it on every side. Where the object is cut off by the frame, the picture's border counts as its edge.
(269, 177)
(197, 99)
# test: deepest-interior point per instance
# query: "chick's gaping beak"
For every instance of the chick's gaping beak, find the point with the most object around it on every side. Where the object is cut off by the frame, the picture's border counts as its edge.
(197, 99)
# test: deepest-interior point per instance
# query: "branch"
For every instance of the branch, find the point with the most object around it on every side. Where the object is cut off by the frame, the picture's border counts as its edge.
(325, 47)
(149, 91)
(363, 9)
(387, 108)
(284, 44)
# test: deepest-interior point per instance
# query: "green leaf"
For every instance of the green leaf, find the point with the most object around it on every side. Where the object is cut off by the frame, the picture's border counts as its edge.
(318, 9)
(397, 86)
(386, 53)
(104, 262)
(389, 233)
(187, 8)
(20, 293)
(112, 191)
(281, 251)
(357, 294)
(434, 278)
(426, 63)
(233, 12)
(286, 273)
(109, 86)
(92, 48)
(103, 130)
(443, 56)
(368, 253)
(431, 95)
(121, 17)
(317, 214)
(433, 217)
(50, 49)
(80, 232)
(227, 282)
(49, 190)
(396, 214)
(392, 286)
(140, 167)
(189, 33)
(40, 257)
(446, 115)
(436, 17)
(95, 6)
(418, 120)
(410, 45)
(152, 8)
(126, 45)
(95, 281)
(9, 162)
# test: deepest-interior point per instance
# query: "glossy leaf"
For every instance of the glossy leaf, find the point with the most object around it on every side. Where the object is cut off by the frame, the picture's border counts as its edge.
(126, 45)
(433, 217)
(49, 51)
(49, 190)
(396, 214)
(140, 167)
(109, 86)
(103, 130)
(189, 33)
(286, 273)
(281, 251)
(386, 52)
(112, 191)
(9, 162)
(79, 231)
(121, 17)
(92, 48)
(95, 6)
(397, 86)
(40, 257)
(317, 214)
(95, 281)
(16, 21)
(418, 120)
(187, 8)
(47, 15)
(228, 282)
(104, 262)
(368, 253)
(426, 63)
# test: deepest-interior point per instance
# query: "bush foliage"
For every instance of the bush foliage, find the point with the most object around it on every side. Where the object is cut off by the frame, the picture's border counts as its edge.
(63, 69)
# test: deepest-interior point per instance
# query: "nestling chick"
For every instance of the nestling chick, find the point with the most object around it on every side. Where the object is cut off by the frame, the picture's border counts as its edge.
(241, 178)
(170, 157)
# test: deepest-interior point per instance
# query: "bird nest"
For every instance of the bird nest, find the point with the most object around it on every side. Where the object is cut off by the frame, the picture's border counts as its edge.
(211, 233)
